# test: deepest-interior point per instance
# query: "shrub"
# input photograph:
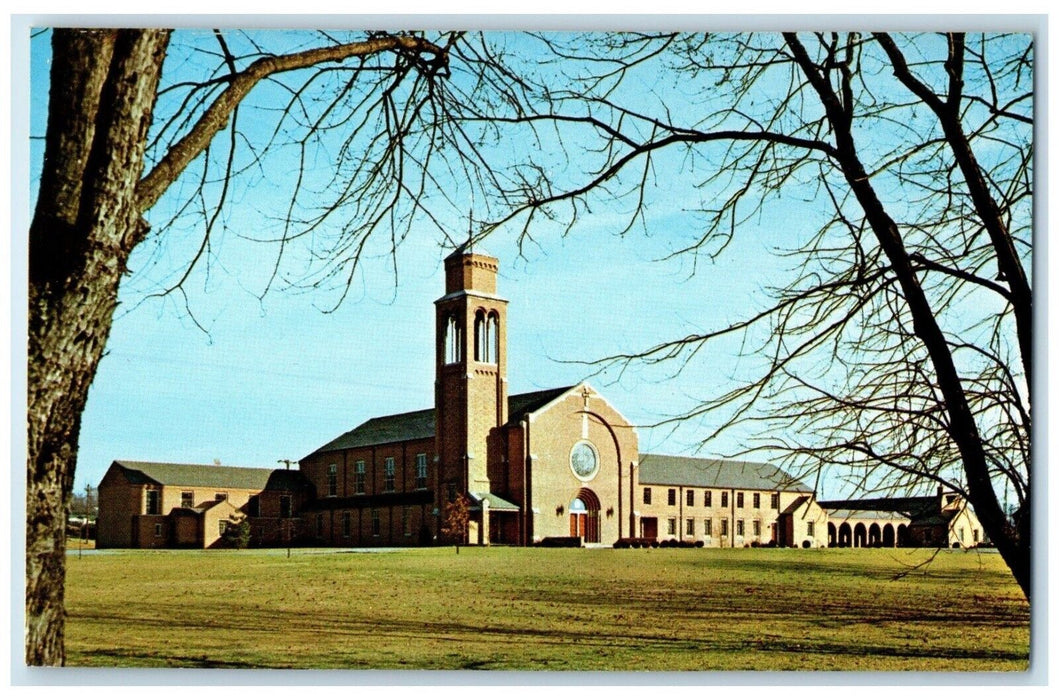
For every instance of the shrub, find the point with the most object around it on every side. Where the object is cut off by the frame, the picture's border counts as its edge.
(237, 535)
(807, 544)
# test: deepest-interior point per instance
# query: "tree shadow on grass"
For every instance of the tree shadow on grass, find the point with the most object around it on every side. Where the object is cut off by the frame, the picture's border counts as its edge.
(380, 631)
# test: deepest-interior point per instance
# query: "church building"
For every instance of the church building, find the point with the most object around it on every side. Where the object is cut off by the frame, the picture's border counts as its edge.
(554, 463)
(557, 465)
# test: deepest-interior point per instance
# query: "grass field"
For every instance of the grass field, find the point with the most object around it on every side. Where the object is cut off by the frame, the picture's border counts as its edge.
(529, 609)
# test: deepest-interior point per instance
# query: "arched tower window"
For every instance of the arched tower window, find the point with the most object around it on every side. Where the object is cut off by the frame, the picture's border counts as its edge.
(486, 337)
(453, 341)
(492, 333)
(481, 340)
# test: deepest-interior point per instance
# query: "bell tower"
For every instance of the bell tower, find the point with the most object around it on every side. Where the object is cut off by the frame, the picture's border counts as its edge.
(470, 388)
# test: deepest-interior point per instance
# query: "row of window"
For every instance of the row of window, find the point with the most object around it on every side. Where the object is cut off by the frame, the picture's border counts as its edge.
(376, 523)
(389, 475)
(740, 527)
(707, 498)
(486, 339)
(187, 500)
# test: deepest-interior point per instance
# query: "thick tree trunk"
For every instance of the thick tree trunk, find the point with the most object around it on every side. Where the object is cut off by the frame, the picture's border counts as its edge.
(87, 221)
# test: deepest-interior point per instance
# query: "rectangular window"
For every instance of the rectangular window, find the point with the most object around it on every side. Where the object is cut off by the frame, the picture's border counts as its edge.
(775, 501)
(757, 528)
(707, 527)
(690, 529)
(332, 480)
(959, 533)
(672, 497)
(708, 499)
(223, 496)
(347, 525)
(690, 497)
(319, 524)
(421, 471)
(757, 500)
(153, 503)
(388, 474)
(406, 523)
(739, 500)
(739, 528)
(222, 527)
(158, 529)
(284, 507)
(724, 527)
(974, 534)
(187, 499)
(358, 476)
(810, 528)
(376, 526)
(724, 499)
(647, 495)
(450, 491)
(672, 526)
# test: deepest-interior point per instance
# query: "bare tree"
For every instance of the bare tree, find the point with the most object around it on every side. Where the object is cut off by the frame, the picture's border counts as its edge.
(914, 284)
(901, 345)
(364, 127)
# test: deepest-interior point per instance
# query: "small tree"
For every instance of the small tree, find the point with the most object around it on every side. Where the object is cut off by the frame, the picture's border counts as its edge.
(237, 535)
(457, 517)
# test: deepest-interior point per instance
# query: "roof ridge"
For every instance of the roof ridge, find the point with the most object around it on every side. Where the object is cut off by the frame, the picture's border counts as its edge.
(127, 462)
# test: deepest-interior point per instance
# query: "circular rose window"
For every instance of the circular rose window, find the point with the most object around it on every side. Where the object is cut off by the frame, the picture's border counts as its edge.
(584, 460)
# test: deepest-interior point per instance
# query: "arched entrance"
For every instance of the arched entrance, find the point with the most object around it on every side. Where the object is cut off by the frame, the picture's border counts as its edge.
(584, 516)
(902, 536)
(860, 535)
(832, 535)
(874, 535)
(845, 535)
(888, 535)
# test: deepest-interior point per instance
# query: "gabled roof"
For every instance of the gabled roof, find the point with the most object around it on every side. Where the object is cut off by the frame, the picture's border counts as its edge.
(209, 475)
(795, 505)
(399, 427)
(668, 470)
(420, 425)
(520, 405)
(495, 502)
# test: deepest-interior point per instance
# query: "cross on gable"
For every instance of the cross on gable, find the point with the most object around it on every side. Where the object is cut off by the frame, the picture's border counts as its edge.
(585, 393)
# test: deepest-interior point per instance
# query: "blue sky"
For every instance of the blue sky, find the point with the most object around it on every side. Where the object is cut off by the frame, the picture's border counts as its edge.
(275, 378)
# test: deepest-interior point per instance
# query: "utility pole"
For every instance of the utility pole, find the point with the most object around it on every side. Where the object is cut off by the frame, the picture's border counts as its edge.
(290, 504)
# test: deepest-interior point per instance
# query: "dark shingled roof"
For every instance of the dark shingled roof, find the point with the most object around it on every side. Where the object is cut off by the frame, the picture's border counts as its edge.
(669, 470)
(419, 425)
(921, 510)
(209, 475)
(519, 405)
(846, 514)
(399, 427)
(795, 505)
(909, 505)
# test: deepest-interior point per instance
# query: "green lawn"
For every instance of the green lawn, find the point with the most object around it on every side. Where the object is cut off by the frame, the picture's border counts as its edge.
(526, 609)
